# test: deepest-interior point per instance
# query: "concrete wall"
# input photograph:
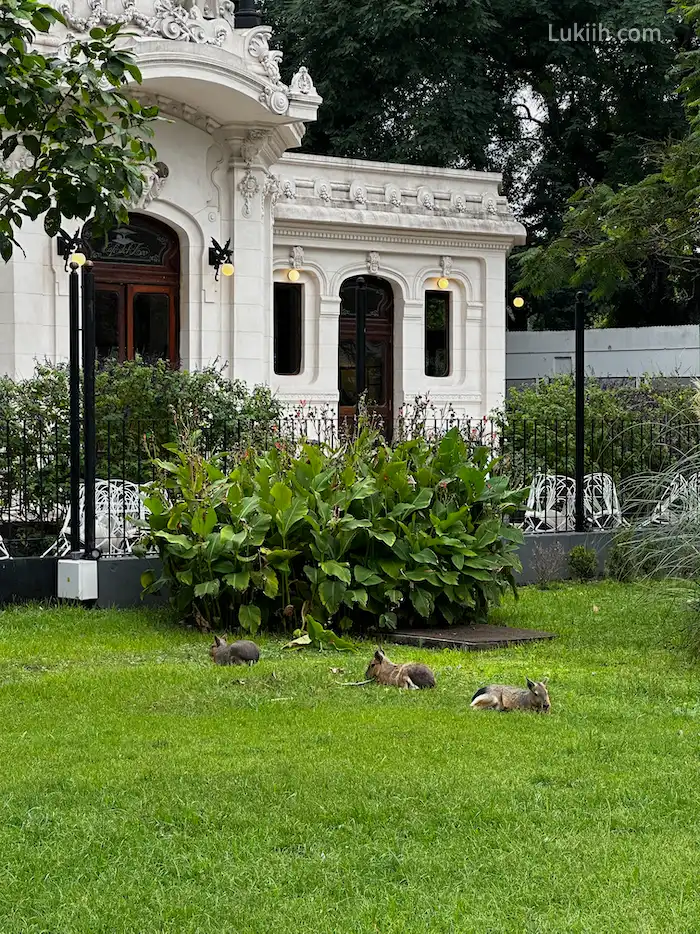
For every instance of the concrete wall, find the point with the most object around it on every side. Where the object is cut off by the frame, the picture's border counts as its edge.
(619, 353)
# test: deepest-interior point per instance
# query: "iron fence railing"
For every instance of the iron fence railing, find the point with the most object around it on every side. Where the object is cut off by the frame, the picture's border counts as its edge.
(35, 463)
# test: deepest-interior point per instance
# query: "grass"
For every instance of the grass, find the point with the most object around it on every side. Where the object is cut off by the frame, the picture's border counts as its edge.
(143, 790)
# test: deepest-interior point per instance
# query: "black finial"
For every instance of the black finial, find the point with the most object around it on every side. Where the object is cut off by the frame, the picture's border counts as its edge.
(247, 15)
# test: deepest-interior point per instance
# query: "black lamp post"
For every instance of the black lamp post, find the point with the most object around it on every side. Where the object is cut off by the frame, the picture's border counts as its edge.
(579, 323)
(360, 338)
(90, 433)
(70, 249)
(247, 15)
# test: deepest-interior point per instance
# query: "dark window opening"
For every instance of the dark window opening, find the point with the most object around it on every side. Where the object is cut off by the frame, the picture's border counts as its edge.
(437, 333)
(287, 328)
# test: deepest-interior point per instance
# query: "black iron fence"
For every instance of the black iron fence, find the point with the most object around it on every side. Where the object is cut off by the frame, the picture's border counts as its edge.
(35, 461)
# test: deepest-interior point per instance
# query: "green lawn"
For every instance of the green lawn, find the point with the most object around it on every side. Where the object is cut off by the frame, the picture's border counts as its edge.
(143, 790)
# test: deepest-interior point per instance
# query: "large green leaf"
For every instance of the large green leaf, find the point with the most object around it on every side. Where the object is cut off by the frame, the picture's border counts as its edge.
(422, 602)
(207, 588)
(281, 495)
(331, 593)
(366, 577)
(239, 580)
(249, 617)
(383, 536)
(203, 521)
(290, 517)
(333, 569)
(425, 556)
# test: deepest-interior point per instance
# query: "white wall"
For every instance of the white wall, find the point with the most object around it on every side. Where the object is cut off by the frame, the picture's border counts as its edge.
(610, 352)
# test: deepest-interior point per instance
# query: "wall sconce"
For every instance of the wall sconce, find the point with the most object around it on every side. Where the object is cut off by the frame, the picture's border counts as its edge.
(443, 283)
(518, 302)
(293, 275)
(70, 248)
(220, 259)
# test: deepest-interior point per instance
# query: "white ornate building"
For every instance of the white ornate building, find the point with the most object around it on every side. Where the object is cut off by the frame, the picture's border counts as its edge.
(431, 243)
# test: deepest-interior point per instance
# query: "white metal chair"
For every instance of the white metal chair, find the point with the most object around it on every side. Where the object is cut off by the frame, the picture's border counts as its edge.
(550, 504)
(4, 553)
(680, 500)
(117, 504)
(601, 505)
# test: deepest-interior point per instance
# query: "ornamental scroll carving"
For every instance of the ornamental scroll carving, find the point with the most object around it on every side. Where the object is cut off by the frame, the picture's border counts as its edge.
(168, 19)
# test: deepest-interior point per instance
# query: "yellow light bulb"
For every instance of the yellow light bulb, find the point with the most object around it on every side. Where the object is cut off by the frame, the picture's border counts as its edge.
(227, 269)
(293, 275)
(518, 302)
(443, 283)
(78, 259)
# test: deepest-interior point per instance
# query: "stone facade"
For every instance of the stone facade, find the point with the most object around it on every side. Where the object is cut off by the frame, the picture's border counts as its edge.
(225, 172)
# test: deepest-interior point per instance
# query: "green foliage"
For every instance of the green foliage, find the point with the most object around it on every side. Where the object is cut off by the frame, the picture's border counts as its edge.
(583, 563)
(366, 536)
(77, 137)
(628, 430)
(633, 241)
(136, 405)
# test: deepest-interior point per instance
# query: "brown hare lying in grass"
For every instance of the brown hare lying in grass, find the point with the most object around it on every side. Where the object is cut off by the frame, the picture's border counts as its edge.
(411, 675)
(503, 697)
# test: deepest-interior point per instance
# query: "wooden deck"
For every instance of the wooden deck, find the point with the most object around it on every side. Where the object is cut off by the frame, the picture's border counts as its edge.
(468, 638)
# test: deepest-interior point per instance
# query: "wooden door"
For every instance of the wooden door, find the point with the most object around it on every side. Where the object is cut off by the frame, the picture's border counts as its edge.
(379, 350)
(136, 320)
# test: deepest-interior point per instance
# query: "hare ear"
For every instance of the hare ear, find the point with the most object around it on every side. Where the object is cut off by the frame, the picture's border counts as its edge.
(545, 681)
(530, 684)
(379, 655)
(217, 641)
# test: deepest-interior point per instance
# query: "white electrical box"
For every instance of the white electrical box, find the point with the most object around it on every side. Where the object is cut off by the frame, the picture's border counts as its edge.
(77, 579)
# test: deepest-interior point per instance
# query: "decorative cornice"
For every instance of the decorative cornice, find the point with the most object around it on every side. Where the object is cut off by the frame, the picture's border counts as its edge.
(437, 242)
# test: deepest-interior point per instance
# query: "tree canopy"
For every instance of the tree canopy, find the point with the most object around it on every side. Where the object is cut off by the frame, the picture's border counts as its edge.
(636, 245)
(72, 140)
(490, 85)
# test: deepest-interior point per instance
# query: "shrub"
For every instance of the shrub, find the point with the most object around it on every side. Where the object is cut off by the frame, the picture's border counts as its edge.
(363, 537)
(628, 430)
(583, 563)
(135, 403)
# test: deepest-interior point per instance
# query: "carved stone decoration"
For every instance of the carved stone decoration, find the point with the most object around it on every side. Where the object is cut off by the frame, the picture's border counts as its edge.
(459, 204)
(20, 159)
(373, 262)
(358, 193)
(489, 204)
(446, 266)
(155, 177)
(248, 187)
(275, 100)
(392, 195)
(271, 191)
(180, 111)
(289, 189)
(302, 83)
(170, 19)
(215, 157)
(425, 199)
(252, 145)
(269, 59)
(323, 191)
(296, 257)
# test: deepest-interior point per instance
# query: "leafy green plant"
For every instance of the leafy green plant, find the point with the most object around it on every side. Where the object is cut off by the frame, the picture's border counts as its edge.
(583, 563)
(368, 536)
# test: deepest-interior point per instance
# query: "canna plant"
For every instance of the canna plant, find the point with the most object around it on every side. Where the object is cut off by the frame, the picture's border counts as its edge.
(368, 536)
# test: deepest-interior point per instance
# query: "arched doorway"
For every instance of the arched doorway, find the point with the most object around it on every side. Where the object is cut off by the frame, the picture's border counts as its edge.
(379, 350)
(137, 291)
